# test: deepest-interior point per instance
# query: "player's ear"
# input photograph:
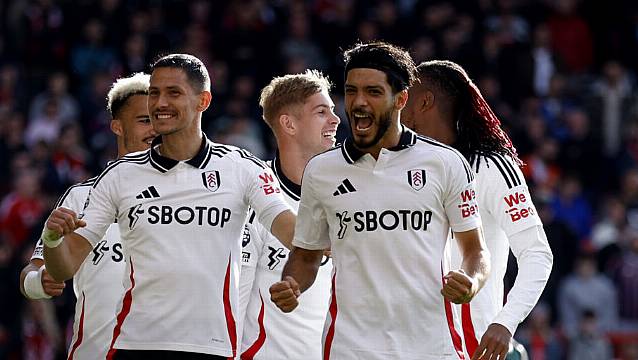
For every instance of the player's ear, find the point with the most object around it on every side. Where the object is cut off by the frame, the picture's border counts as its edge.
(287, 124)
(428, 100)
(400, 99)
(116, 127)
(205, 97)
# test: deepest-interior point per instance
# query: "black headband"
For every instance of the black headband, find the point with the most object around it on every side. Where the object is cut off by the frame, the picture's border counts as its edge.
(388, 67)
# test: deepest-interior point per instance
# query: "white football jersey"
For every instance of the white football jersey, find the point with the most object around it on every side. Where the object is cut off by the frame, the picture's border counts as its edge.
(269, 333)
(387, 223)
(97, 284)
(508, 216)
(181, 224)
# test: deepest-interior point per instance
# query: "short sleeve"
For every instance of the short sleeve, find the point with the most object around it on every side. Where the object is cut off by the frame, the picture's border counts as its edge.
(263, 192)
(311, 231)
(100, 207)
(460, 202)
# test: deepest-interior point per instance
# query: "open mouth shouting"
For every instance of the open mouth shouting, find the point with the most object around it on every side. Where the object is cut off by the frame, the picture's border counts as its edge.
(362, 120)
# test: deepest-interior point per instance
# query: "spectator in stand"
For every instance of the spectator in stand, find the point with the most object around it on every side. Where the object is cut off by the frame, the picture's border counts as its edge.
(21, 210)
(538, 336)
(57, 90)
(590, 343)
(587, 289)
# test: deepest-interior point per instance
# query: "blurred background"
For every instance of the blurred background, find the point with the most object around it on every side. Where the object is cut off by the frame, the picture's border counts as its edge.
(560, 74)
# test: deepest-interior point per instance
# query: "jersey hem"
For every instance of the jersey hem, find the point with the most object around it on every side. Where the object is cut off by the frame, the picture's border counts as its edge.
(210, 350)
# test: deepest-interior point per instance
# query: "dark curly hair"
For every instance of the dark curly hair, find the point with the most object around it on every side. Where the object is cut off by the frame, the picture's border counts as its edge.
(394, 61)
(478, 129)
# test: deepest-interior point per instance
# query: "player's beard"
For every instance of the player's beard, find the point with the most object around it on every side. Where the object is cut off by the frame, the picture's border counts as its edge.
(385, 120)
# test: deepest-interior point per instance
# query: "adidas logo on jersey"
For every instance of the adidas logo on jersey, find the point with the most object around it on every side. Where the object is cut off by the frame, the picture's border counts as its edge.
(344, 188)
(149, 193)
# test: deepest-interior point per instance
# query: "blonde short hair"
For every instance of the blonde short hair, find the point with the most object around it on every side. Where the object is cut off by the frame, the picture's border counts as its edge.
(123, 89)
(290, 90)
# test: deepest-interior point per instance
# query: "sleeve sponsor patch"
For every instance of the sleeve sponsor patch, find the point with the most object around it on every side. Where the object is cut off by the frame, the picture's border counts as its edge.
(269, 184)
(518, 207)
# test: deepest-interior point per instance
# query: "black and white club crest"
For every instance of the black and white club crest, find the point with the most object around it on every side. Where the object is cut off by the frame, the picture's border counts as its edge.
(416, 178)
(211, 180)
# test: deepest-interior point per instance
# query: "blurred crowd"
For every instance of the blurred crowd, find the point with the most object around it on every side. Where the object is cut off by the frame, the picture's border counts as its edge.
(560, 74)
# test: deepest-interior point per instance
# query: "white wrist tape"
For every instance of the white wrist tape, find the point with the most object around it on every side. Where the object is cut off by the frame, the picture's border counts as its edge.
(33, 285)
(50, 238)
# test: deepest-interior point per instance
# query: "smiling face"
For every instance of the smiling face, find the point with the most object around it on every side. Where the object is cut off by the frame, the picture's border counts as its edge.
(173, 103)
(316, 123)
(371, 107)
(133, 125)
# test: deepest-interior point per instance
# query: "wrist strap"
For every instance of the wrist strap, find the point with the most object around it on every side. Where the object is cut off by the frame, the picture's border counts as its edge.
(50, 238)
(33, 285)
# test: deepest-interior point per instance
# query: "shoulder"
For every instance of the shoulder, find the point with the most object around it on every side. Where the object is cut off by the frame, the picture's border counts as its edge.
(124, 163)
(236, 154)
(447, 154)
(332, 155)
(497, 168)
(77, 191)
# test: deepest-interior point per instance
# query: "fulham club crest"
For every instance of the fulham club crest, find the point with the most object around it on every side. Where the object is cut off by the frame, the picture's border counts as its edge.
(211, 180)
(416, 179)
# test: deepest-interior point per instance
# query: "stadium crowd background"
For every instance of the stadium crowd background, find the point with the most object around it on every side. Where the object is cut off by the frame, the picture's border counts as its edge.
(559, 73)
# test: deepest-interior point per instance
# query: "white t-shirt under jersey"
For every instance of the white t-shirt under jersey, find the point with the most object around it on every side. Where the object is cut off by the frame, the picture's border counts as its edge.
(387, 223)
(97, 285)
(181, 224)
(509, 218)
(269, 333)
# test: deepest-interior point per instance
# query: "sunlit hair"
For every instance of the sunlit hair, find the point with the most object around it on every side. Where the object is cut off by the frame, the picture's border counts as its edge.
(289, 90)
(478, 129)
(394, 61)
(123, 89)
(194, 68)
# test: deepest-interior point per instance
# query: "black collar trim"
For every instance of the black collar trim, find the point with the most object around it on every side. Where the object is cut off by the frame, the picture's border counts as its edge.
(352, 154)
(293, 190)
(163, 164)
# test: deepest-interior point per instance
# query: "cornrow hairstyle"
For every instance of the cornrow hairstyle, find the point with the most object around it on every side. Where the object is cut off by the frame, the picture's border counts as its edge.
(123, 89)
(394, 61)
(478, 129)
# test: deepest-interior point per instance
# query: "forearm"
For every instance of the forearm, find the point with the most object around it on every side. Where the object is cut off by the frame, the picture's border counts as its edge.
(303, 266)
(283, 228)
(33, 265)
(63, 261)
(535, 260)
(477, 265)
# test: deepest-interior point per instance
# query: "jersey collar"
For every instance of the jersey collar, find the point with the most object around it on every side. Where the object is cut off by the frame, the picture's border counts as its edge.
(290, 188)
(163, 164)
(352, 154)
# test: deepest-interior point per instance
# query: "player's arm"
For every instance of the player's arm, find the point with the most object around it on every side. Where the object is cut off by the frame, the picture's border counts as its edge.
(36, 283)
(283, 227)
(534, 258)
(64, 251)
(460, 286)
(299, 274)
(310, 241)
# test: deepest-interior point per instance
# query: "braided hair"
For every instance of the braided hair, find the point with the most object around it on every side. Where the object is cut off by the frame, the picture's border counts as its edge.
(478, 129)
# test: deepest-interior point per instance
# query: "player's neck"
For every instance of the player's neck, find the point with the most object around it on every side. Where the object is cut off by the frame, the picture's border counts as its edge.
(181, 145)
(293, 162)
(389, 140)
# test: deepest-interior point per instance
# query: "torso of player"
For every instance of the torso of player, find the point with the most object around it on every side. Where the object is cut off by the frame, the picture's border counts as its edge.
(294, 335)
(388, 227)
(506, 208)
(180, 224)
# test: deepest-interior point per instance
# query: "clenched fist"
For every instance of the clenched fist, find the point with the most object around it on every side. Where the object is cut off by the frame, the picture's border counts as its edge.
(458, 287)
(285, 293)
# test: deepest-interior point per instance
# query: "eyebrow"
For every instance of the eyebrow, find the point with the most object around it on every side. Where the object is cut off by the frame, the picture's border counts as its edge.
(322, 105)
(367, 87)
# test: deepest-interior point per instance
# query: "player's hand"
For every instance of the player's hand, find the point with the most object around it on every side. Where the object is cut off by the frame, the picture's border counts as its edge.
(285, 293)
(63, 221)
(494, 344)
(50, 286)
(458, 287)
